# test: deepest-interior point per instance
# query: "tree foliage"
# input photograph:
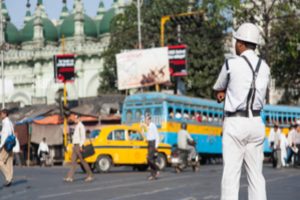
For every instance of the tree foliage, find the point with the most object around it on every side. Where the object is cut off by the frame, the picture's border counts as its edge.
(205, 40)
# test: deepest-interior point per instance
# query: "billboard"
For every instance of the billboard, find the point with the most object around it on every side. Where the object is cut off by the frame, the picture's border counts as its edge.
(177, 57)
(140, 68)
(64, 68)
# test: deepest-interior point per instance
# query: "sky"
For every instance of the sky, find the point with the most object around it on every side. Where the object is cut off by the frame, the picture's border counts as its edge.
(17, 8)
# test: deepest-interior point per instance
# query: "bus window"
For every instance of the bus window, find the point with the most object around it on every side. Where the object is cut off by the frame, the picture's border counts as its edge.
(178, 114)
(138, 115)
(193, 115)
(210, 117)
(170, 113)
(216, 117)
(128, 116)
(198, 117)
(148, 111)
(157, 111)
(204, 116)
(186, 115)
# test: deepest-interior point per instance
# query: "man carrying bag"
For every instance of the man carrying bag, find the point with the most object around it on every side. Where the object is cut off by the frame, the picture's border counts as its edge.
(78, 140)
(6, 154)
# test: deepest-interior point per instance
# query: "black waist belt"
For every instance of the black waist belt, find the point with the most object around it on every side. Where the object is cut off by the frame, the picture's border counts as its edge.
(242, 113)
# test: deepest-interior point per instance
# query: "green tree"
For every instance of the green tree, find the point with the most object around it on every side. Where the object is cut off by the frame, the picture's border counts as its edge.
(285, 53)
(205, 40)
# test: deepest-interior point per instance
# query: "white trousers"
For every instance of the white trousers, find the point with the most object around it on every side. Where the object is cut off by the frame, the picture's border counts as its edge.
(243, 144)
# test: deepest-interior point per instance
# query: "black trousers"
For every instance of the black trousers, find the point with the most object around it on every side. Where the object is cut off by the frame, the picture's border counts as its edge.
(152, 157)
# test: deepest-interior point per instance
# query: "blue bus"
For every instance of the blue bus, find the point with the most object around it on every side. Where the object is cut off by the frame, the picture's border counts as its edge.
(204, 118)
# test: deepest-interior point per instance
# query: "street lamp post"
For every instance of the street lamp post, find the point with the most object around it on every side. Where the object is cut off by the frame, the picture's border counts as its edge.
(139, 4)
(2, 55)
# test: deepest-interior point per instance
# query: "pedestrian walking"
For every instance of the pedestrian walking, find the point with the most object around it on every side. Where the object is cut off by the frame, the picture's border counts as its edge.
(6, 158)
(243, 83)
(152, 137)
(78, 140)
(274, 142)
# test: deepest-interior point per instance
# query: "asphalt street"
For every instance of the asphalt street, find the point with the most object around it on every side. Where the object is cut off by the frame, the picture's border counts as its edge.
(124, 184)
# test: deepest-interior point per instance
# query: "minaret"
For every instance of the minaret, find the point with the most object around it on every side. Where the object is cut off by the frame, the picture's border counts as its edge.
(119, 6)
(64, 12)
(28, 13)
(4, 11)
(41, 4)
(79, 20)
(38, 35)
(100, 11)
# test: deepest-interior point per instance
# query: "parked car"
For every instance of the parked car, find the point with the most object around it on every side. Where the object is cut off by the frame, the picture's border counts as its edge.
(119, 145)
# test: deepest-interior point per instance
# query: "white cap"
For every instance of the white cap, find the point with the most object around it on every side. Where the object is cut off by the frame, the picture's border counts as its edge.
(248, 32)
(298, 122)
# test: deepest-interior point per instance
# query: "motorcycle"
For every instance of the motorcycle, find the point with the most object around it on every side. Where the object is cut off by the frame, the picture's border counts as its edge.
(180, 161)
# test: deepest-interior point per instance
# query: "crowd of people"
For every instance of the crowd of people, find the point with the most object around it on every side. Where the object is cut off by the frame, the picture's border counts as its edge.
(285, 147)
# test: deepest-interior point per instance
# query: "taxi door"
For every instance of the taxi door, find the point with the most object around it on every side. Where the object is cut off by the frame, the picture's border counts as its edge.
(139, 147)
(119, 146)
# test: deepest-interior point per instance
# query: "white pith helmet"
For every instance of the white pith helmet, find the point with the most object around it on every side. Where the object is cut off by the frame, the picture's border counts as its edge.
(248, 32)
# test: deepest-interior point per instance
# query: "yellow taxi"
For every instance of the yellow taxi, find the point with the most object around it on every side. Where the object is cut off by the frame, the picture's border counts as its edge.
(118, 145)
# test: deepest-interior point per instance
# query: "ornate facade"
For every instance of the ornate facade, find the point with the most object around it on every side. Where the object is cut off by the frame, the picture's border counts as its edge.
(28, 54)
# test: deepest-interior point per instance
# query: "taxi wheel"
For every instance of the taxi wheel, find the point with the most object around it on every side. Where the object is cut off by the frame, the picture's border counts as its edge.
(103, 164)
(161, 161)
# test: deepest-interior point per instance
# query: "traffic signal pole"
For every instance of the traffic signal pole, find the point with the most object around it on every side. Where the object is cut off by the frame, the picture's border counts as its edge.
(65, 117)
(65, 101)
(167, 18)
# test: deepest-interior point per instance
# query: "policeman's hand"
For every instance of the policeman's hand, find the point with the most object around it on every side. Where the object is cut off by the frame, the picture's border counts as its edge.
(220, 96)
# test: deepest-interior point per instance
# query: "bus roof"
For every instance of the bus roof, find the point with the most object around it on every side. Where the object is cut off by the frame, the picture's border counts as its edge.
(282, 108)
(150, 96)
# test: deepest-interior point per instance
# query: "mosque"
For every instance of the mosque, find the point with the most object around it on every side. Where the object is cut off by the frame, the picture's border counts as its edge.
(28, 53)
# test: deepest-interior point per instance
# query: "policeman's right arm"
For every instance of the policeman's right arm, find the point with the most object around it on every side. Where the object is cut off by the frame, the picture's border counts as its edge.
(221, 84)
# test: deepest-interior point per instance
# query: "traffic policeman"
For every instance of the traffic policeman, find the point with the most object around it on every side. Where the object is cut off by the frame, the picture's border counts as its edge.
(243, 83)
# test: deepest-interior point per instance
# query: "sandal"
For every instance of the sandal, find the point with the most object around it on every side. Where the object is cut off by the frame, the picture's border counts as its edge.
(89, 179)
(68, 179)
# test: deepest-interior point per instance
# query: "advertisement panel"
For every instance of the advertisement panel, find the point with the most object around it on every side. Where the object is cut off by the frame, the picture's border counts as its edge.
(140, 68)
(177, 57)
(64, 68)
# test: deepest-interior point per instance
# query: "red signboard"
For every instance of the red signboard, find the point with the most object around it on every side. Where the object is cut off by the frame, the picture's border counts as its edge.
(177, 60)
(64, 68)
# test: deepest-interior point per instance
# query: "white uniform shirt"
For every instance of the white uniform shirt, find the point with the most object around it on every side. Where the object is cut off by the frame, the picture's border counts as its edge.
(152, 134)
(291, 136)
(275, 137)
(43, 147)
(182, 139)
(240, 82)
(7, 129)
(79, 134)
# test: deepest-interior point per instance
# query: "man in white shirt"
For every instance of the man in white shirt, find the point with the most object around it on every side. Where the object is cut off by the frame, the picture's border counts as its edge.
(152, 137)
(6, 158)
(275, 143)
(78, 140)
(243, 83)
(43, 151)
(291, 143)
